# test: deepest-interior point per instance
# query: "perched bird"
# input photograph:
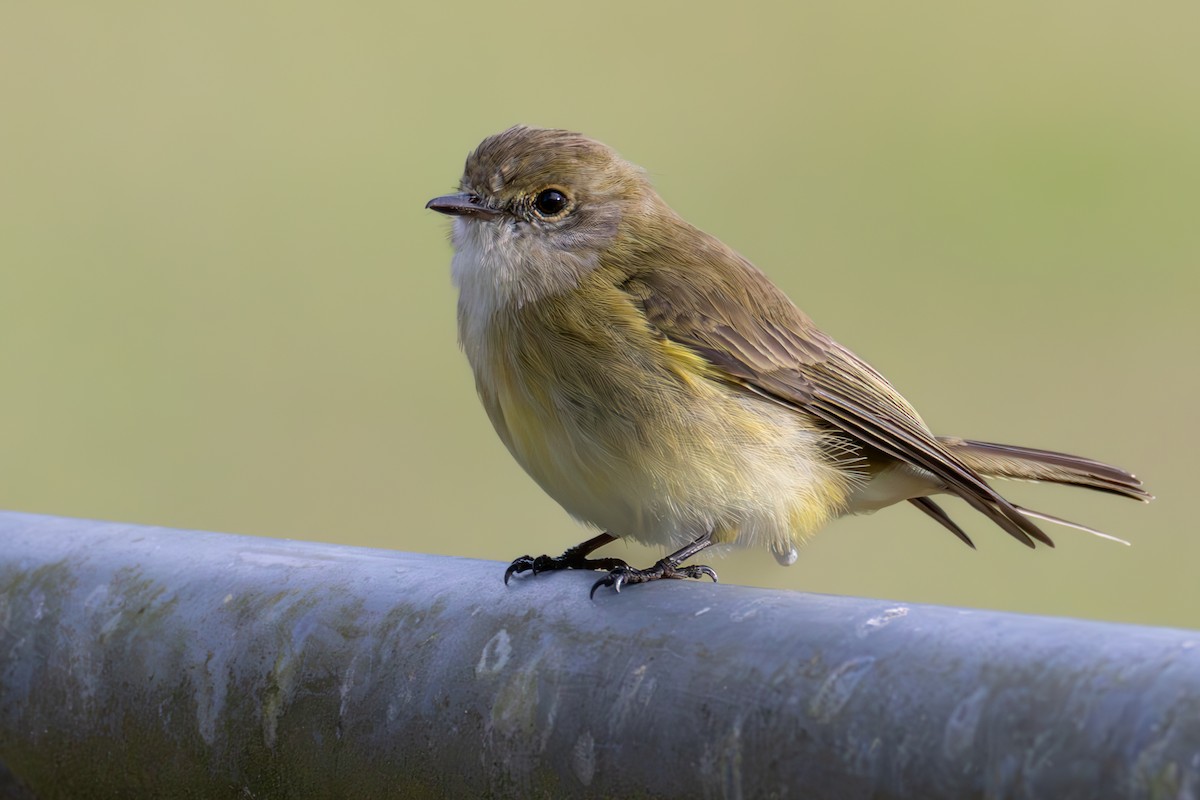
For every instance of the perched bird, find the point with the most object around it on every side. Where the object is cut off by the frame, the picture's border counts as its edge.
(660, 387)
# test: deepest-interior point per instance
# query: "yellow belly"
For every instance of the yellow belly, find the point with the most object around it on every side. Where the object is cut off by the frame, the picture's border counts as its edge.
(627, 433)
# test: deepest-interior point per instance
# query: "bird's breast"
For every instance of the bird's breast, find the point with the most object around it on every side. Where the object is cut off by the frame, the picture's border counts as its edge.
(631, 432)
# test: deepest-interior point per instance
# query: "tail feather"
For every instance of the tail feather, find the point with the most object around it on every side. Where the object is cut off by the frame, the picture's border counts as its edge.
(1029, 512)
(992, 460)
(934, 510)
(1025, 463)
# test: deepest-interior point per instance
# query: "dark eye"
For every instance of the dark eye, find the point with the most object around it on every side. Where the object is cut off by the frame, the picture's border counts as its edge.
(550, 202)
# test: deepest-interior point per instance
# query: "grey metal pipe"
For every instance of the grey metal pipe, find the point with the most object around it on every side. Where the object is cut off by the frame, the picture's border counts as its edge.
(152, 662)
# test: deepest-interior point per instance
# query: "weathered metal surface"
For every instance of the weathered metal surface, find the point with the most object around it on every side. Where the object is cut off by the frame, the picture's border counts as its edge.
(151, 662)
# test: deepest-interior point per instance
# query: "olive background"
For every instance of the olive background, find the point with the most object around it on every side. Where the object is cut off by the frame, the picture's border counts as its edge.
(223, 306)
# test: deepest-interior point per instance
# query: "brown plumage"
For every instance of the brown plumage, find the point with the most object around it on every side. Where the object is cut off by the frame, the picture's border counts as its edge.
(660, 386)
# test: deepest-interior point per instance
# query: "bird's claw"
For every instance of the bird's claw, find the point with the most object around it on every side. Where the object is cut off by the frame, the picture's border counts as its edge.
(626, 575)
(520, 564)
(567, 560)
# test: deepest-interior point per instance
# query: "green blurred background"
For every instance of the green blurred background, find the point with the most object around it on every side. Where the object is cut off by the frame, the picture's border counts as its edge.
(224, 307)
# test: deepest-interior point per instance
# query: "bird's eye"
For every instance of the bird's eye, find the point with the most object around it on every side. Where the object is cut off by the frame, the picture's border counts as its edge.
(550, 202)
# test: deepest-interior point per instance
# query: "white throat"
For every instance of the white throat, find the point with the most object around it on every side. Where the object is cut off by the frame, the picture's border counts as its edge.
(497, 267)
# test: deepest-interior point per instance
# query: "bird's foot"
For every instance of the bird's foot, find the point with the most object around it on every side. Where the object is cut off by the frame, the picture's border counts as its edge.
(571, 559)
(625, 575)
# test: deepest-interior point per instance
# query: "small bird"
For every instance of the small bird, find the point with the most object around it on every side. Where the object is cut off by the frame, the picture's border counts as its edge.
(660, 387)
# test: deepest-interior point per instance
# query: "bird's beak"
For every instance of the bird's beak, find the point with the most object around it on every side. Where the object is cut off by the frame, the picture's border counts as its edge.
(462, 205)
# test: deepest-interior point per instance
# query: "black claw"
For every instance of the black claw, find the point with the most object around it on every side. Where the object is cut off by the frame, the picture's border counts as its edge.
(607, 580)
(575, 558)
(521, 564)
(619, 573)
(616, 578)
(626, 575)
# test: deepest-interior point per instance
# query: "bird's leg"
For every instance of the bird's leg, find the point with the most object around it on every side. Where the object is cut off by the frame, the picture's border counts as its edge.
(623, 574)
(573, 558)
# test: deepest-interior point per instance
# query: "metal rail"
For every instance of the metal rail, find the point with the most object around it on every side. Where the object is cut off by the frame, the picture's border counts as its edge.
(152, 662)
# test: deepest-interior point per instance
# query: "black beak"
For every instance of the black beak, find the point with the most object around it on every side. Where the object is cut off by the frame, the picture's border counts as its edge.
(461, 205)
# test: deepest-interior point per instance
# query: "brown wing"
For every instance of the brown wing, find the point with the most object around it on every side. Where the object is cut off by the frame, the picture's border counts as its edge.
(754, 336)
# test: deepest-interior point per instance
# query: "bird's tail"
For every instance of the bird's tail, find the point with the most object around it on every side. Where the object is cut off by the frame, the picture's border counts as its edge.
(1026, 464)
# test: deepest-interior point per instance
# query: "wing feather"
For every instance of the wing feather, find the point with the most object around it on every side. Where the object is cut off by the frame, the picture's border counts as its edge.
(754, 337)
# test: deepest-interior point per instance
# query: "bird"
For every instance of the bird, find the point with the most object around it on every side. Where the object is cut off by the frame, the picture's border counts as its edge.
(662, 388)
